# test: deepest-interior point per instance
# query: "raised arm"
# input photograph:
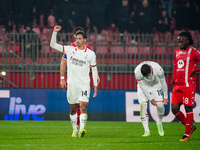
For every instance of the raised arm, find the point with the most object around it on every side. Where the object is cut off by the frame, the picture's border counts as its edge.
(53, 42)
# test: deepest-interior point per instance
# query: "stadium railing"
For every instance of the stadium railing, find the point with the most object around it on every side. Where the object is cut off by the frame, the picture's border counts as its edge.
(116, 58)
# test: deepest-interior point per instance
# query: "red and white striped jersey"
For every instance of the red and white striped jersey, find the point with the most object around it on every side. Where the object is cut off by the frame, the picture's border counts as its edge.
(185, 62)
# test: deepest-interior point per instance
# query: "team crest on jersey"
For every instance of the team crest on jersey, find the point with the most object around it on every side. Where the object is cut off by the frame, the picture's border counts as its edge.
(180, 63)
(197, 52)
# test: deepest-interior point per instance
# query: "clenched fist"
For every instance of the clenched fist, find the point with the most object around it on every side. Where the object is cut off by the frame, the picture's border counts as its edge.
(57, 28)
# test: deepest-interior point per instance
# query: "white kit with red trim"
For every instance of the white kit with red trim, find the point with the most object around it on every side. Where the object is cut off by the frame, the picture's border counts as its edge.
(79, 63)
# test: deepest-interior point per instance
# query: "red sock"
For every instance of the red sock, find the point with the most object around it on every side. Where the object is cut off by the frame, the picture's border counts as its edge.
(78, 115)
(189, 121)
(181, 117)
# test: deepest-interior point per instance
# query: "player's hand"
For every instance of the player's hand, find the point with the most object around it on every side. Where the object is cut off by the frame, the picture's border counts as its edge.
(57, 28)
(153, 102)
(95, 91)
(165, 100)
(63, 83)
(98, 80)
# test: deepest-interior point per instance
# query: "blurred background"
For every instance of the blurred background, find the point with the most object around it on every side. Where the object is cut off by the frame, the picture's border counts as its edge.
(122, 33)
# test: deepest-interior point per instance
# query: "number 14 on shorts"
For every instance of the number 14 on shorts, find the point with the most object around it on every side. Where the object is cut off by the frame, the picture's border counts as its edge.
(84, 93)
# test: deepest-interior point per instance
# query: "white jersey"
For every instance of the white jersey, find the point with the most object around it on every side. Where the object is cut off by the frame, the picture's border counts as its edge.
(78, 65)
(156, 79)
(157, 73)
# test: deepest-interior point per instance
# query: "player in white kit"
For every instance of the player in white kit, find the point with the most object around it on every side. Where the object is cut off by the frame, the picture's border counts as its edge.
(79, 61)
(151, 86)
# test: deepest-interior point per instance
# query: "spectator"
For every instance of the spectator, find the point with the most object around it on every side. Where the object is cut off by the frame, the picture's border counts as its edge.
(97, 16)
(82, 12)
(123, 19)
(111, 12)
(163, 22)
(4, 13)
(42, 8)
(32, 45)
(65, 14)
(188, 12)
(22, 12)
(144, 17)
(168, 5)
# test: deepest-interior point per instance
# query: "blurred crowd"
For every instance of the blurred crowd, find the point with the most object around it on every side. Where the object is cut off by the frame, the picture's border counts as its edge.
(133, 16)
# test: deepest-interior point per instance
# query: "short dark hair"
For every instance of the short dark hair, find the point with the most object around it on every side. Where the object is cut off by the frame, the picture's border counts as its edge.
(145, 69)
(78, 29)
(83, 34)
(187, 35)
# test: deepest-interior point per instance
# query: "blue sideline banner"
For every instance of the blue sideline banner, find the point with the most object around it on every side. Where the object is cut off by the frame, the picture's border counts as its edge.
(51, 104)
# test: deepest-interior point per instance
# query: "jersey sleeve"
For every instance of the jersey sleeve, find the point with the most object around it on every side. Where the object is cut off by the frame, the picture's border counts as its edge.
(54, 44)
(64, 56)
(93, 60)
(196, 55)
(174, 67)
(161, 73)
(138, 77)
(66, 49)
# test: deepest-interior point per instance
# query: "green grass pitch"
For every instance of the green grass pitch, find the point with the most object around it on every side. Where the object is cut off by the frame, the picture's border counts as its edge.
(56, 135)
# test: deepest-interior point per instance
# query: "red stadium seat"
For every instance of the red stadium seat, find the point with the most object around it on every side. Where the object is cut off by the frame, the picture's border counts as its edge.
(46, 34)
(196, 37)
(132, 50)
(101, 50)
(46, 47)
(117, 50)
(1, 48)
(143, 50)
(159, 50)
(15, 47)
(37, 30)
(176, 32)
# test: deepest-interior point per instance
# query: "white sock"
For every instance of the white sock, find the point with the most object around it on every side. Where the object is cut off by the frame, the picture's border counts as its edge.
(144, 116)
(83, 120)
(73, 119)
(160, 111)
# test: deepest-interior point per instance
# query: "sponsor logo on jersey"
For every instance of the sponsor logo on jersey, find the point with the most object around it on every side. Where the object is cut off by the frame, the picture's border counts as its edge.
(77, 62)
(180, 63)
(138, 79)
(181, 52)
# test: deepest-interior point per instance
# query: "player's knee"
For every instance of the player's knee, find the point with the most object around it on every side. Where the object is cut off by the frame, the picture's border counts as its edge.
(83, 109)
(188, 108)
(160, 105)
(143, 109)
(72, 111)
(174, 109)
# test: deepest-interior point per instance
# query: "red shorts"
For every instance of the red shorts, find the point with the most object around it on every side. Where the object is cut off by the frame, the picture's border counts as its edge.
(183, 94)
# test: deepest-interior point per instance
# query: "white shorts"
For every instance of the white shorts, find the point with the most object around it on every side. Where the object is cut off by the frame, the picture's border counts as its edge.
(156, 91)
(76, 94)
